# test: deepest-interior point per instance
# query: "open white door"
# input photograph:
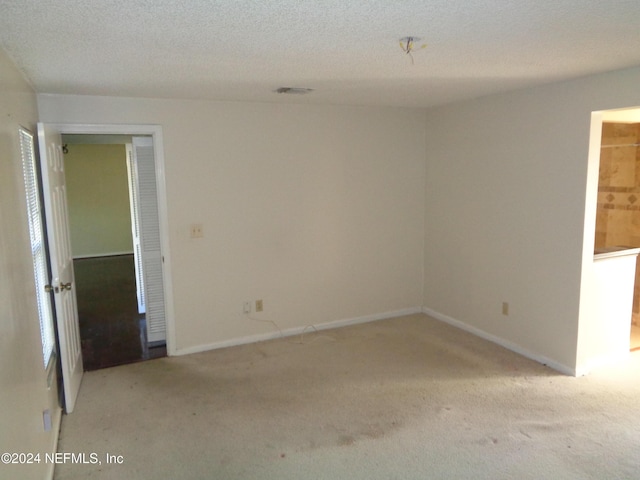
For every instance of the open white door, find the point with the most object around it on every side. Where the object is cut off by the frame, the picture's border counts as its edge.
(62, 281)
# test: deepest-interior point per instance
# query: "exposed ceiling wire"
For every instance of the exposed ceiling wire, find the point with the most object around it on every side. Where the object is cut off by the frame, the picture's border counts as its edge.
(408, 45)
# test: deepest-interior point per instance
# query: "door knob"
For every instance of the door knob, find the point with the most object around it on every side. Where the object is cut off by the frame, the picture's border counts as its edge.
(61, 288)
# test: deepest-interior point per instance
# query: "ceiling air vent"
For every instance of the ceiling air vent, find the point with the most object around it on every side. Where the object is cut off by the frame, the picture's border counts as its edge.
(294, 90)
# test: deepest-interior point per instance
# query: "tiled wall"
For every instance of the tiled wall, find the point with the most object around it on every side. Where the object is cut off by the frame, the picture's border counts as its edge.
(618, 214)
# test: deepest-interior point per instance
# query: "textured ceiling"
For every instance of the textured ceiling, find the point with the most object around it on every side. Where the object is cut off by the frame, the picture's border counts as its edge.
(347, 51)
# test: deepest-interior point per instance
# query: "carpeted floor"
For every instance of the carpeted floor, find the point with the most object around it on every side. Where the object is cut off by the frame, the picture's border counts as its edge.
(405, 398)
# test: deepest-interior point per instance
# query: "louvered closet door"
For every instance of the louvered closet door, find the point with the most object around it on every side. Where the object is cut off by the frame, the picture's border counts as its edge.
(144, 173)
(134, 208)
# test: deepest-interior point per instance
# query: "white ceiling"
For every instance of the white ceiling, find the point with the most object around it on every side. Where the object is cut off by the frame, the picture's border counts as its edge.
(347, 50)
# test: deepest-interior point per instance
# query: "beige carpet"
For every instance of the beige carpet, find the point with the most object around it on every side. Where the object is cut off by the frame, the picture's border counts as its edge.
(406, 398)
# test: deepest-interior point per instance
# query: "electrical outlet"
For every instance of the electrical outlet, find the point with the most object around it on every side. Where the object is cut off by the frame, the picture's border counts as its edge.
(196, 230)
(505, 308)
(246, 307)
(259, 306)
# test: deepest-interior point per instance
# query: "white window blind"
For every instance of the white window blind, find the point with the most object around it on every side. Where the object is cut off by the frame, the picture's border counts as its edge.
(37, 244)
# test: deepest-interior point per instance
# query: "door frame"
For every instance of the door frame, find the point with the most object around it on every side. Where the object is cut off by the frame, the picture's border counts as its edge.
(592, 351)
(154, 131)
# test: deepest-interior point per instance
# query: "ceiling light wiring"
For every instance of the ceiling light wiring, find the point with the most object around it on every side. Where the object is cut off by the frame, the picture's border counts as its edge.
(408, 45)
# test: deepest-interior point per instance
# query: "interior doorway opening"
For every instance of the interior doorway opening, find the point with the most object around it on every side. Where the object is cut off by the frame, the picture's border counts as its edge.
(156, 256)
(618, 208)
(102, 197)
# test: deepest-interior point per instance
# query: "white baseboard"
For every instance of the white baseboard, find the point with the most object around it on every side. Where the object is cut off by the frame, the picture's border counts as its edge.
(501, 341)
(55, 426)
(100, 255)
(296, 331)
(381, 316)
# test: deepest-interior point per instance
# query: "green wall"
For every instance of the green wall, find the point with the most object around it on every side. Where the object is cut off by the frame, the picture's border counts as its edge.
(98, 199)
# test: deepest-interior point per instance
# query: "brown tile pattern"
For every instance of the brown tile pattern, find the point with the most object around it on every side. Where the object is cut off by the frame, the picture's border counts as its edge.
(618, 212)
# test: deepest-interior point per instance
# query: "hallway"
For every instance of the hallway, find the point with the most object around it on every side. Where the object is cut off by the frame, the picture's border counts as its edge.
(111, 329)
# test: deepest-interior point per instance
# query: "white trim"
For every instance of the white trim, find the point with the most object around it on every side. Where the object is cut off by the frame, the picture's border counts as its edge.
(500, 341)
(156, 132)
(55, 427)
(261, 337)
(100, 255)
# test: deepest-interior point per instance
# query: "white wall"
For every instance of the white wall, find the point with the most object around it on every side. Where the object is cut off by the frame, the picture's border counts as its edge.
(98, 199)
(23, 384)
(316, 210)
(505, 213)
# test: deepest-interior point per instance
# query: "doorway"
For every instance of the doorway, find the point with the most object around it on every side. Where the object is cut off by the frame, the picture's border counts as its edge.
(618, 210)
(155, 255)
(104, 237)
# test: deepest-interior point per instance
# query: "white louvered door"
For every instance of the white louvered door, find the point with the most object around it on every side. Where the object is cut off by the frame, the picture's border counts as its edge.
(62, 282)
(144, 177)
(134, 208)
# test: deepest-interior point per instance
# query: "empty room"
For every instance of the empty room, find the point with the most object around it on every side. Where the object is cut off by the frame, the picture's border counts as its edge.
(361, 240)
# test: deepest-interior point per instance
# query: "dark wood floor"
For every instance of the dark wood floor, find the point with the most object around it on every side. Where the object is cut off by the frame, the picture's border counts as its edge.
(111, 329)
